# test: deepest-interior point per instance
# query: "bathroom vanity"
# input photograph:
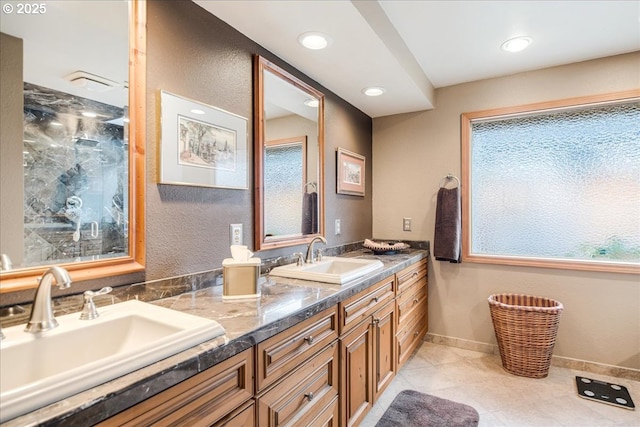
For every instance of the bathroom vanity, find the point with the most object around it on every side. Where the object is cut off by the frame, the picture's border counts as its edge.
(303, 353)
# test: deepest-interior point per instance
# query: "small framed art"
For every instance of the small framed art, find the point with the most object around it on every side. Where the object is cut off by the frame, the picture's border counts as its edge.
(350, 173)
(201, 145)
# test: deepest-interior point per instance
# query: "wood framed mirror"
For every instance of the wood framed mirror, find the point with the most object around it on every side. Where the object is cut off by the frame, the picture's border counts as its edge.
(61, 209)
(289, 158)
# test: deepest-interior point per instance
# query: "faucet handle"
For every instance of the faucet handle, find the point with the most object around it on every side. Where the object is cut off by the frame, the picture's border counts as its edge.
(318, 254)
(299, 258)
(89, 310)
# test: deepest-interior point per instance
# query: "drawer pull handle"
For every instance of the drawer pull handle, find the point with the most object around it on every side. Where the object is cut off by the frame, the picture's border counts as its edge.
(415, 334)
(375, 299)
(415, 274)
(415, 300)
(309, 396)
(309, 339)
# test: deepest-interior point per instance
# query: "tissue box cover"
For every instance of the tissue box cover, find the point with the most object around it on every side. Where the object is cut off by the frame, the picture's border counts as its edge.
(240, 278)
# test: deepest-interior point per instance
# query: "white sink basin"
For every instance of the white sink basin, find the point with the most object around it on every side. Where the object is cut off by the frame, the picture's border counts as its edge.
(329, 270)
(80, 354)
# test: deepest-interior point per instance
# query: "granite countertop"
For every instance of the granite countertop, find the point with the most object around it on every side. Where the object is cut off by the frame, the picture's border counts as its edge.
(282, 304)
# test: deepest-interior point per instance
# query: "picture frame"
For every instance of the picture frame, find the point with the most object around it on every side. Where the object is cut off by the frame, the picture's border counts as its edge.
(350, 171)
(201, 145)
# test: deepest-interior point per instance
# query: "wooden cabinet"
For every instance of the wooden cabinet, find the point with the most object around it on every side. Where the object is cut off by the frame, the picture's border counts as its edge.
(367, 349)
(308, 396)
(326, 371)
(356, 371)
(411, 308)
(205, 399)
(384, 360)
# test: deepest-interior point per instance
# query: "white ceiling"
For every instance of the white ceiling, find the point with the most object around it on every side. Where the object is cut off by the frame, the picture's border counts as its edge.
(411, 47)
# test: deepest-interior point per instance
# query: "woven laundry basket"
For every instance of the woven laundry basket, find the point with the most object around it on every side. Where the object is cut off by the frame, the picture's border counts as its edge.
(526, 328)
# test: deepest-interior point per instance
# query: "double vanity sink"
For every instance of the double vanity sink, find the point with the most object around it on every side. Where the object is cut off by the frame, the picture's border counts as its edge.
(39, 369)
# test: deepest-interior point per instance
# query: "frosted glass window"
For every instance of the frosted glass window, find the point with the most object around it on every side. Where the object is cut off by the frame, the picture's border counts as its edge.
(283, 182)
(561, 184)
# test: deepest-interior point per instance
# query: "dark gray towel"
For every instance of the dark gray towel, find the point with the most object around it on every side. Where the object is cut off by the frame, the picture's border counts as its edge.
(310, 213)
(447, 238)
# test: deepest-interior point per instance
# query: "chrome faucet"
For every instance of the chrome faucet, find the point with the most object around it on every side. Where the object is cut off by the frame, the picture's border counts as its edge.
(42, 318)
(309, 257)
(5, 262)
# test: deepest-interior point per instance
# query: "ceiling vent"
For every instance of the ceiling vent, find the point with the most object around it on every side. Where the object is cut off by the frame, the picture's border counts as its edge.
(91, 81)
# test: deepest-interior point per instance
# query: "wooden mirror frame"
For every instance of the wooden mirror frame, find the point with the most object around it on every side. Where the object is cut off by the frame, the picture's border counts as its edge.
(134, 261)
(260, 66)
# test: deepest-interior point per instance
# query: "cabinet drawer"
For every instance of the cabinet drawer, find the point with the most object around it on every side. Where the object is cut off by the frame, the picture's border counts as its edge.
(198, 401)
(362, 305)
(411, 274)
(410, 337)
(412, 302)
(303, 395)
(243, 417)
(328, 417)
(281, 353)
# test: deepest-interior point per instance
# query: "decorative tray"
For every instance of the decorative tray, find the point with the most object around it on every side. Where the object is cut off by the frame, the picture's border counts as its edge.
(384, 248)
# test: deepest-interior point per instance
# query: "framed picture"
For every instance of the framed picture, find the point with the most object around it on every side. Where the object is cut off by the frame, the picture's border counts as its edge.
(201, 145)
(350, 171)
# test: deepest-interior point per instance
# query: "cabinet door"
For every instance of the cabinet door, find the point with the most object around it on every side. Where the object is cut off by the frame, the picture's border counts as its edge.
(384, 327)
(356, 385)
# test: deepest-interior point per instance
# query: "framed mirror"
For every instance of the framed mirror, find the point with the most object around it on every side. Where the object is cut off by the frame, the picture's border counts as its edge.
(73, 142)
(289, 158)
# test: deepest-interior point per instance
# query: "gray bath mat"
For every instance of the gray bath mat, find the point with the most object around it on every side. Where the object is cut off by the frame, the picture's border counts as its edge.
(414, 409)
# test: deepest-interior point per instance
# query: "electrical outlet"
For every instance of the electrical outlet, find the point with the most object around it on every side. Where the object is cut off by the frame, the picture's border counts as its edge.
(406, 224)
(337, 227)
(235, 234)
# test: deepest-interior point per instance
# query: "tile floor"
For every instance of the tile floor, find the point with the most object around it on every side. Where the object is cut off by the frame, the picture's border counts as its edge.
(503, 399)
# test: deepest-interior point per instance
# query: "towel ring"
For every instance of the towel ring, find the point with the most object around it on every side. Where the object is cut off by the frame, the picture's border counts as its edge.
(312, 184)
(448, 178)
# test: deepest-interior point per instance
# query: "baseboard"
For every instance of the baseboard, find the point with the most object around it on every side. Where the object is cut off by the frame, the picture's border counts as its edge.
(560, 361)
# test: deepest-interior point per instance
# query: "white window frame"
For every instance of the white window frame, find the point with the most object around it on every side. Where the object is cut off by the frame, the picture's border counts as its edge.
(537, 108)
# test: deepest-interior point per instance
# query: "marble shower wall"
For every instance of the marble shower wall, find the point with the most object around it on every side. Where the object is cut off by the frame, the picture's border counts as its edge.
(75, 177)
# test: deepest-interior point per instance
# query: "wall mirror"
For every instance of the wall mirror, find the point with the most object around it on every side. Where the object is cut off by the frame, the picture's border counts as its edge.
(72, 168)
(289, 158)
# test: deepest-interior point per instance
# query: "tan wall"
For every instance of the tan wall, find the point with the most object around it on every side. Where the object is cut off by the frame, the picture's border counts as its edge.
(11, 147)
(412, 152)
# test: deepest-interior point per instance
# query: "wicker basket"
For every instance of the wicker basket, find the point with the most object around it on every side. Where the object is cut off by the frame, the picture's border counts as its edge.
(526, 328)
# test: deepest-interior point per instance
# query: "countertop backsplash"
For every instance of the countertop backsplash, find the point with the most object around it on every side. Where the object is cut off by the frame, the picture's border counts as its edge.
(168, 287)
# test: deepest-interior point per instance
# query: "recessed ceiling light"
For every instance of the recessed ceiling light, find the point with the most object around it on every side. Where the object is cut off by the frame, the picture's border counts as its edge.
(313, 103)
(314, 40)
(516, 44)
(373, 91)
